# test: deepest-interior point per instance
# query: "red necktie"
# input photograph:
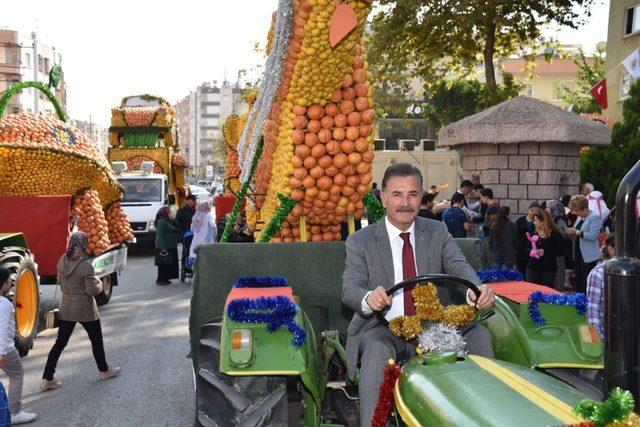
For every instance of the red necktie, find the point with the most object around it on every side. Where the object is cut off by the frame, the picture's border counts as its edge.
(408, 272)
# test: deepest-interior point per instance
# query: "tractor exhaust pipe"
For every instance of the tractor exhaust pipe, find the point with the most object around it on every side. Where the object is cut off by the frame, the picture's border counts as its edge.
(622, 295)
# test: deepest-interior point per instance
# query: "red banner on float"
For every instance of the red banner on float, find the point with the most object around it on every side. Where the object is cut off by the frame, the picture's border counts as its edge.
(44, 221)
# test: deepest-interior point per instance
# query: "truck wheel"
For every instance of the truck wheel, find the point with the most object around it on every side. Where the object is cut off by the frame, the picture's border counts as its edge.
(227, 400)
(25, 294)
(108, 282)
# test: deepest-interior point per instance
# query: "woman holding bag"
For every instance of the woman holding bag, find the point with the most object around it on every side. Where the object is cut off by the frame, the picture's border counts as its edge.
(166, 247)
(79, 286)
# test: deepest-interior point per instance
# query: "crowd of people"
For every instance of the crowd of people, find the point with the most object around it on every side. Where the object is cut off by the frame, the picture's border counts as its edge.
(563, 244)
(193, 225)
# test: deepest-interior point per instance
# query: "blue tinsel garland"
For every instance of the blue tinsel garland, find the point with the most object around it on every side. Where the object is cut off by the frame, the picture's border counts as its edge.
(494, 276)
(579, 301)
(276, 312)
(261, 282)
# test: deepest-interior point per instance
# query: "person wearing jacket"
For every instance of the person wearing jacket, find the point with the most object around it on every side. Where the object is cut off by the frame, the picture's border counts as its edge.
(203, 227)
(586, 250)
(545, 246)
(502, 240)
(556, 210)
(185, 214)
(79, 286)
(10, 361)
(166, 242)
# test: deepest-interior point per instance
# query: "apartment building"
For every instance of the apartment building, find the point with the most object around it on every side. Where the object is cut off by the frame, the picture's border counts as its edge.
(201, 115)
(623, 38)
(26, 57)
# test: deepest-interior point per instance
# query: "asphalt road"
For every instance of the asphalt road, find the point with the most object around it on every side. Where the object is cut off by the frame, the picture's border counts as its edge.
(145, 330)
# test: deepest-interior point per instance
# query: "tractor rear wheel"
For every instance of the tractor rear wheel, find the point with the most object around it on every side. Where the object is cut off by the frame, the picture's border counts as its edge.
(227, 400)
(25, 293)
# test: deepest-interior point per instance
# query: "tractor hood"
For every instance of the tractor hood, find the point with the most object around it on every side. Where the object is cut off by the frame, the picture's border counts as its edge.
(478, 391)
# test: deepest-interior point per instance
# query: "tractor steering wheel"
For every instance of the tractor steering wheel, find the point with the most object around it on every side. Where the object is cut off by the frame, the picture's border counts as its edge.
(427, 278)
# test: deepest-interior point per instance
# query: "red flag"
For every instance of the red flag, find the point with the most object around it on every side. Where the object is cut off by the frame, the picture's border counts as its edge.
(599, 92)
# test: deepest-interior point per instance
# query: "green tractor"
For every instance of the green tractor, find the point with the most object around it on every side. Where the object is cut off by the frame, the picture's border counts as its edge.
(254, 373)
(25, 290)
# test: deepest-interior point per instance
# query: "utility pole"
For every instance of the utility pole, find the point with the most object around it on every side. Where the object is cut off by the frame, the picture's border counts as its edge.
(36, 94)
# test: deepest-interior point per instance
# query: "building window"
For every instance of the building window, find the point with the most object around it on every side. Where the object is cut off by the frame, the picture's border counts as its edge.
(527, 90)
(15, 110)
(625, 85)
(27, 60)
(632, 20)
(46, 65)
(14, 57)
(40, 63)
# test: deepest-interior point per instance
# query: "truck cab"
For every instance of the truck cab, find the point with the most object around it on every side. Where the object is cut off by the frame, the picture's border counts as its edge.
(144, 195)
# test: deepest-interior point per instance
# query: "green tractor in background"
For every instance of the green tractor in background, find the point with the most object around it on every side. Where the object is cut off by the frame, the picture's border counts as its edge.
(25, 290)
(247, 374)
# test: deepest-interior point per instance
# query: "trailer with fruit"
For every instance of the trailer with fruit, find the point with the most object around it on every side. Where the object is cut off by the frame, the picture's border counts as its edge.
(53, 179)
(144, 151)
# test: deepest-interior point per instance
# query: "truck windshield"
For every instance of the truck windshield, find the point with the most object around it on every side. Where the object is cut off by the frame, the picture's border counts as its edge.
(141, 190)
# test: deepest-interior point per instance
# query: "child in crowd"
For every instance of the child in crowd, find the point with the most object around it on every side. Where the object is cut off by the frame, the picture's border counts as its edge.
(544, 248)
(9, 358)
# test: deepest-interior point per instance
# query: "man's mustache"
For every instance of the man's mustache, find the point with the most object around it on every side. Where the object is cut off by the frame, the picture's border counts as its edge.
(405, 209)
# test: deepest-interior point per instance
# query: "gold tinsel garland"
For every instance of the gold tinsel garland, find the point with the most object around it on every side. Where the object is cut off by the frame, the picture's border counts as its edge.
(429, 307)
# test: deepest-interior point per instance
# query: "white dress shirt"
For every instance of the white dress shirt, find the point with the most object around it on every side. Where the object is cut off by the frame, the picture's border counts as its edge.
(396, 242)
(7, 325)
(397, 301)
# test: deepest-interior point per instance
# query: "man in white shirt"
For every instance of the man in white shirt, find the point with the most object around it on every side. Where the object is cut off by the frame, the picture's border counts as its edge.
(388, 252)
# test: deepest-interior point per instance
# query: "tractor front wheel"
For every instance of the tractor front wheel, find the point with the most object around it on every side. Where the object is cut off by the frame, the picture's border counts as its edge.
(25, 293)
(235, 400)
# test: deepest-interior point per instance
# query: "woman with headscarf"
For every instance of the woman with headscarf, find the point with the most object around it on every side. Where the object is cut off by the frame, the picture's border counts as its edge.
(79, 286)
(556, 211)
(203, 227)
(166, 247)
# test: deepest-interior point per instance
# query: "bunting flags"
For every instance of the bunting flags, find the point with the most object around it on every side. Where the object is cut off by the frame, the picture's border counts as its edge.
(599, 92)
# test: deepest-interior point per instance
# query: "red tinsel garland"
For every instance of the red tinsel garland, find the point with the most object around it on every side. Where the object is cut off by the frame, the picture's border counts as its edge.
(385, 400)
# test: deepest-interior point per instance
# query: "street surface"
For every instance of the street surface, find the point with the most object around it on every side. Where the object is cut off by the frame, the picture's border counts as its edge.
(145, 330)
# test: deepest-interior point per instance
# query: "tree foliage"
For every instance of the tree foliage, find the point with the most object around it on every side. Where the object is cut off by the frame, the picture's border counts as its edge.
(470, 95)
(432, 38)
(590, 72)
(606, 166)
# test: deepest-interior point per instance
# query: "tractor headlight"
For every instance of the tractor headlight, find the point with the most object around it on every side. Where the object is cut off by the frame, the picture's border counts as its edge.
(241, 351)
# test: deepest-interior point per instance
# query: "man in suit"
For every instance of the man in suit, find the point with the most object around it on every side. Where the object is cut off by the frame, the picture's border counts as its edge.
(392, 250)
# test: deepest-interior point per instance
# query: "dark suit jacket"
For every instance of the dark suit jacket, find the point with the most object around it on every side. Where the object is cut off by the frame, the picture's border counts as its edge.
(369, 264)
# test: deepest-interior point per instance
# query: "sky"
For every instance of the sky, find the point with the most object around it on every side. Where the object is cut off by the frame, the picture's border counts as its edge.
(115, 48)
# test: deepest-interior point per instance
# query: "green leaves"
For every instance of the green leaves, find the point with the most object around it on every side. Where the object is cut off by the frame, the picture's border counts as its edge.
(431, 38)
(469, 95)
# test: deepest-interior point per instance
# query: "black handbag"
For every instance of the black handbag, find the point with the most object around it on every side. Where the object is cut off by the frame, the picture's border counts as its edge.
(164, 257)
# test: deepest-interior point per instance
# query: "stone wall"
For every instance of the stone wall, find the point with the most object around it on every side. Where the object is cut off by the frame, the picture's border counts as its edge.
(521, 173)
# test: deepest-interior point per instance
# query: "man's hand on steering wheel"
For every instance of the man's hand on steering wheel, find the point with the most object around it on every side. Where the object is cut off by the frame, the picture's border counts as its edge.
(378, 299)
(486, 299)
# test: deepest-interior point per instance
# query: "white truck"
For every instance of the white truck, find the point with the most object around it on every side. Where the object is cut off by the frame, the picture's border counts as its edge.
(144, 194)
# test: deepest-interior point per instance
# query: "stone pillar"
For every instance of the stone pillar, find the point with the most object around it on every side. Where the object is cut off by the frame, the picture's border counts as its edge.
(521, 173)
